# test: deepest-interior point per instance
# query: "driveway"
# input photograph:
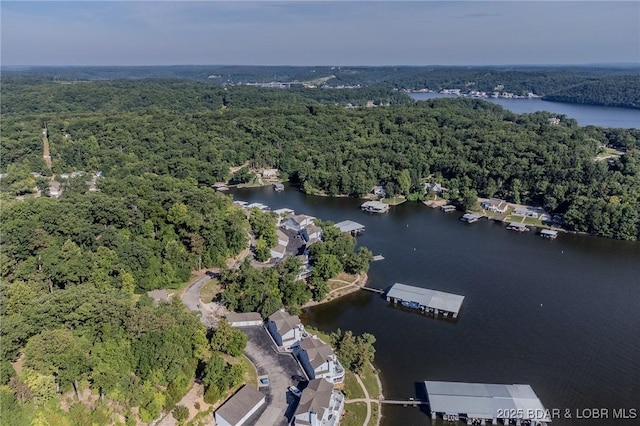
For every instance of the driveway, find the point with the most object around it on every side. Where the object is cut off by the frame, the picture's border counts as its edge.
(279, 368)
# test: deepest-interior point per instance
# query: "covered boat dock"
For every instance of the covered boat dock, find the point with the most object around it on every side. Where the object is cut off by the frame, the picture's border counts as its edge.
(375, 207)
(470, 218)
(351, 227)
(549, 233)
(480, 403)
(428, 301)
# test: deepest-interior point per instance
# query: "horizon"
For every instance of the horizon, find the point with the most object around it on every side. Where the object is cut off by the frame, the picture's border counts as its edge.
(308, 33)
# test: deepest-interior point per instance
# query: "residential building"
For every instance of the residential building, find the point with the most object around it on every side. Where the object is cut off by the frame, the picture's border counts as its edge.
(246, 319)
(433, 187)
(319, 405)
(286, 330)
(278, 252)
(297, 222)
(283, 239)
(269, 173)
(319, 361)
(495, 205)
(379, 191)
(240, 407)
(55, 189)
(311, 234)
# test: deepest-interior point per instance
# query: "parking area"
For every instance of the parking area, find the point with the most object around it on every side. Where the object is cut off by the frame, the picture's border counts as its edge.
(279, 368)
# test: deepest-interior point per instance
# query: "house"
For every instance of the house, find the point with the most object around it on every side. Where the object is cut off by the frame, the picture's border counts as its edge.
(55, 189)
(269, 173)
(278, 252)
(283, 239)
(311, 234)
(319, 405)
(379, 191)
(318, 360)
(495, 205)
(297, 222)
(305, 269)
(432, 187)
(286, 330)
(246, 319)
(240, 407)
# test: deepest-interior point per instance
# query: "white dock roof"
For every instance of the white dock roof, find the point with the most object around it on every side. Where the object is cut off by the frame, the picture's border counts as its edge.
(485, 401)
(349, 226)
(430, 298)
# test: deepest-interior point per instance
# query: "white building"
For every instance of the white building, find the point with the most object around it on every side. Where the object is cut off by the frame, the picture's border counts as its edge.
(319, 405)
(286, 330)
(319, 361)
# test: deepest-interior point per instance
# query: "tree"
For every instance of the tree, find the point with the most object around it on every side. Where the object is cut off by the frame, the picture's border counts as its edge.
(180, 413)
(228, 339)
(404, 181)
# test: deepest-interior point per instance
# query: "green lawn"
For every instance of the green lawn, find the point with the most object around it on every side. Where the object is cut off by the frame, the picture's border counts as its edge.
(354, 414)
(251, 374)
(210, 290)
(394, 201)
(351, 387)
(369, 379)
(373, 421)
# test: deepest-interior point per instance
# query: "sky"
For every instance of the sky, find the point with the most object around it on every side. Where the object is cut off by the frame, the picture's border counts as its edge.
(319, 33)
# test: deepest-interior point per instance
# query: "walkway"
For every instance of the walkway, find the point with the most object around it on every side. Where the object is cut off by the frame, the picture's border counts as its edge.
(46, 155)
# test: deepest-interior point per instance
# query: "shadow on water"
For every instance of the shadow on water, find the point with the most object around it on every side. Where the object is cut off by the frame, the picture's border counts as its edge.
(421, 395)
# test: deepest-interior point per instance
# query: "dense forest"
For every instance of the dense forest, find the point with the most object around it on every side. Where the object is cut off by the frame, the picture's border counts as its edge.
(610, 85)
(75, 320)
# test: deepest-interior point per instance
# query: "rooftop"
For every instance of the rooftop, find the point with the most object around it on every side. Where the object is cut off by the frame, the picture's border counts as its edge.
(485, 401)
(240, 404)
(315, 397)
(246, 316)
(430, 298)
(284, 322)
(318, 351)
(349, 226)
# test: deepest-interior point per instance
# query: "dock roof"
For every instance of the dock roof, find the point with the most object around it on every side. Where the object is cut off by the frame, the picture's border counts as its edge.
(485, 401)
(349, 226)
(430, 298)
(548, 232)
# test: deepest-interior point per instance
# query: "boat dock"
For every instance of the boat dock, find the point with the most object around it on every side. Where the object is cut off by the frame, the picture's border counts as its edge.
(470, 218)
(375, 207)
(373, 290)
(427, 301)
(448, 208)
(481, 404)
(378, 257)
(518, 227)
(549, 234)
(278, 187)
(350, 227)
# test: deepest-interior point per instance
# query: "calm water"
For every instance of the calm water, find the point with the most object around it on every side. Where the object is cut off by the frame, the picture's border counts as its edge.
(584, 114)
(562, 316)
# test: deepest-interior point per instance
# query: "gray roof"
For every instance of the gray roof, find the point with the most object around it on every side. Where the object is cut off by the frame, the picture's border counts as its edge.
(378, 205)
(234, 317)
(485, 401)
(284, 321)
(315, 397)
(470, 216)
(548, 232)
(317, 351)
(425, 297)
(240, 404)
(349, 226)
(517, 225)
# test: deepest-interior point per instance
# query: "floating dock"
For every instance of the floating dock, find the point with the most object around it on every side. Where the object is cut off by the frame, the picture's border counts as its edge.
(350, 227)
(375, 207)
(470, 218)
(479, 403)
(448, 208)
(548, 233)
(378, 257)
(518, 227)
(425, 300)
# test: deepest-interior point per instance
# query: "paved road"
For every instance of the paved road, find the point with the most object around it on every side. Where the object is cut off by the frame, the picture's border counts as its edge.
(279, 368)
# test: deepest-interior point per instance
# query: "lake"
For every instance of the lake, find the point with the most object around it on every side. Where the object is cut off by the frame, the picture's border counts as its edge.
(562, 315)
(585, 114)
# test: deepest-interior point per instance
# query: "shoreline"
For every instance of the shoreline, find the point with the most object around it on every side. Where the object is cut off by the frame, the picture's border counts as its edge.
(361, 281)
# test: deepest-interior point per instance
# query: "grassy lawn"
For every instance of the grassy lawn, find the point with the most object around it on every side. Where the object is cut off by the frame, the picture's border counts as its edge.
(394, 201)
(210, 290)
(250, 375)
(354, 414)
(351, 388)
(370, 382)
(334, 285)
(321, 334)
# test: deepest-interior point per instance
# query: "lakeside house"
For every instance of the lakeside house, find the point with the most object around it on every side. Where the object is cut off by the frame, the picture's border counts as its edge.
(375, 207)
(379, 191)
(495, 205)
(433, 187)
(319, 405)
(286, 330)
(240, 407)
(269, 173)
(311, 234)
(297, 222)
(283, 239)
(318, 360)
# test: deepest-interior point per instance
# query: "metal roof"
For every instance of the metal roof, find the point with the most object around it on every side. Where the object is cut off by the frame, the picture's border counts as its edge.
(349, 226)
(548, 232)
(240, 404)
(430, 298)
(485, 401)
